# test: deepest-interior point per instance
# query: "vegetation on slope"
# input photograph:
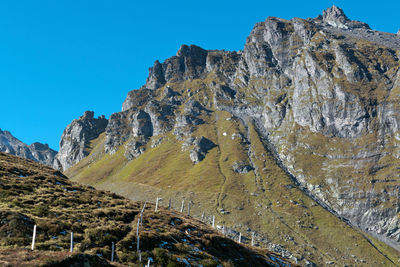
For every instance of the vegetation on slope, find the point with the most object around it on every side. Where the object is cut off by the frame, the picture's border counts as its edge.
(32, 194)
(264, 200)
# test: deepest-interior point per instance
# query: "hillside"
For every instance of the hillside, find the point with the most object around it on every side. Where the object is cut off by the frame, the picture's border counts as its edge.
(295, 138)
(31, 194)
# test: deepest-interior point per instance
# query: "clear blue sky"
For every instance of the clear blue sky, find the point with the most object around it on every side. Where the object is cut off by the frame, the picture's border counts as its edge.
(59, 58)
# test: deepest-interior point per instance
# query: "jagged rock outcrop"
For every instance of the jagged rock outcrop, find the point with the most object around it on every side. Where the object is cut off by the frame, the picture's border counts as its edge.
(189, 63)
(200, 148)
(335, 17)
(37, 151)
(319, 97)
(76, 137)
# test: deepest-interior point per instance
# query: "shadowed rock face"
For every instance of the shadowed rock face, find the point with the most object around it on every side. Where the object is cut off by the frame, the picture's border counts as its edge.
(38, 152)
(323, 94)
(76, 137)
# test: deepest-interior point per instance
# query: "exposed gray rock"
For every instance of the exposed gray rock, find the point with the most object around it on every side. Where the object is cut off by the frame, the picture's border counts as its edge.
(201, 146)
(241, 167)
(324, 88)
(37, 151)
(137, 98)
(76, 137)
(118, 131)
(141, 124)
(187, 143)
(196, 156)
(156, 142)
(189, 63)
(133, 149)
(335, 17)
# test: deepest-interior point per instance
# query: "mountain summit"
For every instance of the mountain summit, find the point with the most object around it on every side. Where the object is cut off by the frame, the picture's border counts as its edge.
(294, 138)
(335, 17)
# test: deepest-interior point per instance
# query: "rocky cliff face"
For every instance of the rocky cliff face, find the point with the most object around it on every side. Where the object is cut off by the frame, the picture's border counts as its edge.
(309, 104)
(76, 137)
(38, 152)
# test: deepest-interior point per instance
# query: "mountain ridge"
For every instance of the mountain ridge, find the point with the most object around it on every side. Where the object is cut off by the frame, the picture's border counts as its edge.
(36, 151)
(308, 105)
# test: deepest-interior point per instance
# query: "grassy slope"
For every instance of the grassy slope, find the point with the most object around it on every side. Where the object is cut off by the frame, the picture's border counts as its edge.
(31, 193)
(265, 200)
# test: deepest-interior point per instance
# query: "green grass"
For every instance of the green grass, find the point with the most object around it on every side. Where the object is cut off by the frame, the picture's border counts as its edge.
(58, 206)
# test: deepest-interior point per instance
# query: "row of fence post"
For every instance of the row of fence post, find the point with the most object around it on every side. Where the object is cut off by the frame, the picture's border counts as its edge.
(140, 222)
(202, 218)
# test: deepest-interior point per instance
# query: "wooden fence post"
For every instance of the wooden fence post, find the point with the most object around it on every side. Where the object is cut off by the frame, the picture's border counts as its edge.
(240, 238)
(71, 248)
(141, 213)
(252, 238)
(112, 251)
(213, 221)
(33, 237)
(137, 236)
(158, 199)
(183, 205)
(202, 216)
(138, 241)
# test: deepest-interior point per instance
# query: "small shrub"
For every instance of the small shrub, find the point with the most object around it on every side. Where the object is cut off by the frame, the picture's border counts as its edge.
(41, 210)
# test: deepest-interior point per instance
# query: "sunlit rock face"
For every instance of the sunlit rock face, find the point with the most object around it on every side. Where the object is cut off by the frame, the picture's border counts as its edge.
(76, 137)
(323, 93)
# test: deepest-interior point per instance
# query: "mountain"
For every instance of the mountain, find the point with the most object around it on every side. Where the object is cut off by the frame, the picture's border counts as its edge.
(295, 138)
(76, 137)
(38, 152)
(34, 194)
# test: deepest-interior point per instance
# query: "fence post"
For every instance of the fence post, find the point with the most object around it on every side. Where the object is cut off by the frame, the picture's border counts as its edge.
(137, 235)
(141, 213)
(223, 229)
(112, 251)
(158, 199)
(138, 241)
(189, 209)
(71, 249)
(240, 238)
(202, 216)
(33, 237)
(213, 221)
(183, 205)
(252, 238)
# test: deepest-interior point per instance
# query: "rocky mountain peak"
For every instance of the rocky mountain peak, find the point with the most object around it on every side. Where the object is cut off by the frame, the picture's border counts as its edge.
(335, 17)
(189, 63)
(315, 98)
(76, 137)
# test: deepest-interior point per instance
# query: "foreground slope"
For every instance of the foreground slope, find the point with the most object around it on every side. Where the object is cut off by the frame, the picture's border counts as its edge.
(31, 194)
(295, 138)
